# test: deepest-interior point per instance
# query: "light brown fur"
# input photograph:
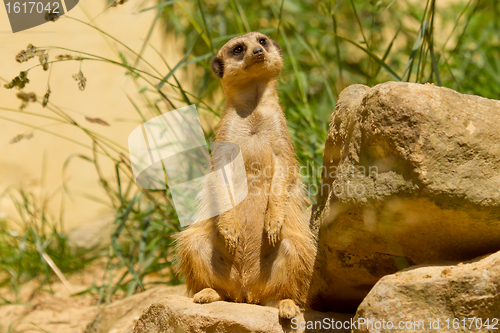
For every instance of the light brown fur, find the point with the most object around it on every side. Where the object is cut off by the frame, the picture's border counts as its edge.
(262, 251)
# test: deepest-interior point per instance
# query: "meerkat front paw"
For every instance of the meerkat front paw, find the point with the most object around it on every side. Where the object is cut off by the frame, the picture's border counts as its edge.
(230, 230)
(288, 309)
(274, 221)
(231, 235)
(207, 295)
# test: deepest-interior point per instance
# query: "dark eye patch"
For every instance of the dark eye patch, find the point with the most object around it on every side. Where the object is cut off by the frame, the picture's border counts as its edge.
(265, 42)
(238, 49)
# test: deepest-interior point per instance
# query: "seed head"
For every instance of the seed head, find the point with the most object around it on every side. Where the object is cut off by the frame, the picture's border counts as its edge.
(19, 81)
(43, 57)
(46, 97)
(64, 56)
(26, 98)
(82, 81)
(51, 16)
(19, 137)
(27, 54)
(118, 2)
(97, 121)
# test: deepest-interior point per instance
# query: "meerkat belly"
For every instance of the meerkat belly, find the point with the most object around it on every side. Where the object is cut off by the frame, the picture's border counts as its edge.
(254, 136)
(259, 170)
(258, 156)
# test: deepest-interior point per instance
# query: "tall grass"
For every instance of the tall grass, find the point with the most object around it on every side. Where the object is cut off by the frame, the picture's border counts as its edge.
(145, 220)
(327, 45)
(41, 236)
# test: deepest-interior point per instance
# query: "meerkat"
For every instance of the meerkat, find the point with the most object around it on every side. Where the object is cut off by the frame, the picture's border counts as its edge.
(262, 251)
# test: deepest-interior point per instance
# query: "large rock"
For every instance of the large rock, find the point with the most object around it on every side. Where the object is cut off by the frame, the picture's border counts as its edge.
(411, 176)
(438, 299)
(177, 314)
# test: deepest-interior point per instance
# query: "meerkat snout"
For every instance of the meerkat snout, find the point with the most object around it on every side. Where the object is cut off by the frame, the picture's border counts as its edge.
(258, 52)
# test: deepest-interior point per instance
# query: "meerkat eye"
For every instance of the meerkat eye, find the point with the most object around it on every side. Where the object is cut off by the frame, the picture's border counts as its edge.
(262, 41)
(237, 49)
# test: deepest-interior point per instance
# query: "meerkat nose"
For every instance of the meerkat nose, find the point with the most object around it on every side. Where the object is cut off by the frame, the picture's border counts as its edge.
(258, 51)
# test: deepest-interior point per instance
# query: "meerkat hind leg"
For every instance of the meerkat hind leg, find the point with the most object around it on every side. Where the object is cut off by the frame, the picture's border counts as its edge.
(288, 309)
(207, 295)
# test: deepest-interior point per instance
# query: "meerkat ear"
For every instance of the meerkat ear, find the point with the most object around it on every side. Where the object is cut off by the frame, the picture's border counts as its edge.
(278, 47)
(218, 67)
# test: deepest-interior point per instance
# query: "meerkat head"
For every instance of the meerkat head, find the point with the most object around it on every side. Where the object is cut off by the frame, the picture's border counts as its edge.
(246, 58)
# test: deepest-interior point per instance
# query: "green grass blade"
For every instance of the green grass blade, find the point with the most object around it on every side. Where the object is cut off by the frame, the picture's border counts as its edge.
(415, 48)
(371, 54)
(179, 64)
(160, 5)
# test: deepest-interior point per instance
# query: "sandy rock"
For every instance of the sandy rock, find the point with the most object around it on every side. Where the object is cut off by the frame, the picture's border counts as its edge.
(412, 175)
(441, 296)
(121, 316)
(51, 308)
(176, 314)
(46, 312)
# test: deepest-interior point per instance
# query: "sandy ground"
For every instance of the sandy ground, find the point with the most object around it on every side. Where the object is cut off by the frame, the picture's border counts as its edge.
(52, 309)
